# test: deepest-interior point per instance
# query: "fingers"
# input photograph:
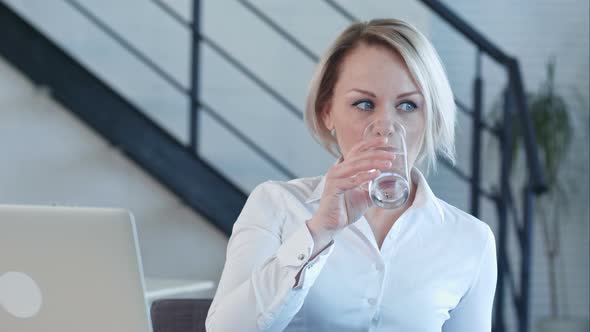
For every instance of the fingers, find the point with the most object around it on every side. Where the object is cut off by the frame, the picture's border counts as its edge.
(352, 168)
(352, 173)
(364, 161)
(347, 183)
(362, 164)
(365, 145)
(369, 154)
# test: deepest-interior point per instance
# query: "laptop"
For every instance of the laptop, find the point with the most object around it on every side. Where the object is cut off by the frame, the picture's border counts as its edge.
(70, 269)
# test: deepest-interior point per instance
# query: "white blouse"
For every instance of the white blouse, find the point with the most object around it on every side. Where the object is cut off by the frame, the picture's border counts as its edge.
(436, 269)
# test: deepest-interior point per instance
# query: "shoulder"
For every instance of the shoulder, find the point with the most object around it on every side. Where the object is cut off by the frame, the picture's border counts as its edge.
(464, 221)
(272, 201)
(473, 234)
(470, 240)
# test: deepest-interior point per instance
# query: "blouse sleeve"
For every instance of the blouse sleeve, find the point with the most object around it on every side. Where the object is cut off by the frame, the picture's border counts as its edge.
(474, 311)
(257, 290)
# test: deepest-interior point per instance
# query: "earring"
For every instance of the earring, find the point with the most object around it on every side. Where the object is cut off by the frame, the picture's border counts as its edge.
(333, 132)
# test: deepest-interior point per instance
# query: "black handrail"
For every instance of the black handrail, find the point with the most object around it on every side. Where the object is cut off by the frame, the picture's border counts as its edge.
(466, 110)
(467, 30)
(127, 46)
(340, 10)
(537, 177)
(278, 29)
(461, 175)
(231, 60)
(226, 124)
(178, 86)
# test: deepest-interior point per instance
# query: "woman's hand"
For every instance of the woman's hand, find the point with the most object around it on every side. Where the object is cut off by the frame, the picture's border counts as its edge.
(343, 201)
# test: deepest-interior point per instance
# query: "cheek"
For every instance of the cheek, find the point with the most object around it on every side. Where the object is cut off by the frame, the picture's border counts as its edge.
(350, 134)
(346, 141)
(415, 137)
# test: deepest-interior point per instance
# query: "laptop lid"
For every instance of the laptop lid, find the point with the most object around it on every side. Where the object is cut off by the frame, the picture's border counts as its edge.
(70, 269)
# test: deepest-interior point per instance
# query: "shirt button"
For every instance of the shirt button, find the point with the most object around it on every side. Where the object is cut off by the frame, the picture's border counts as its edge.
(379, 267)
(372, 301)
(301, 257)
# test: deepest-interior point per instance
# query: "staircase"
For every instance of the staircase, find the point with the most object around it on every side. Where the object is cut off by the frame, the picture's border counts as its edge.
(181, 167)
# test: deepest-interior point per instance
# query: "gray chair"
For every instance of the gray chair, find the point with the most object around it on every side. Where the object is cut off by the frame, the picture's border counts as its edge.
(180, 315)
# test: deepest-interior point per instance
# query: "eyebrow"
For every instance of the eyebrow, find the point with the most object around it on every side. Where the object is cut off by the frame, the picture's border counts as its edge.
(402, 95)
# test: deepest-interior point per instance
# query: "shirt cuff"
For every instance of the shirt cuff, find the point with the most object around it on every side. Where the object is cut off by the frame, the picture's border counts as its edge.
(295, 253)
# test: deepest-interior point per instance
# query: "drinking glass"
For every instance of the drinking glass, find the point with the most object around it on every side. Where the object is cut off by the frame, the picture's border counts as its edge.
(391, 189)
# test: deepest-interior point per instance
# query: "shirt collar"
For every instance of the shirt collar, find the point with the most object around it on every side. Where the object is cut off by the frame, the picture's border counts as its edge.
(425, 198)
(424, 195)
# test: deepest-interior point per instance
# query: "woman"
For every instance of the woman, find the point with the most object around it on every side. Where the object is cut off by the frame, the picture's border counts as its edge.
(314, 254)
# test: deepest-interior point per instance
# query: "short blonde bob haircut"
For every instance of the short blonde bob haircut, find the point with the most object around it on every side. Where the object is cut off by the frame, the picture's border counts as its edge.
(424, 66)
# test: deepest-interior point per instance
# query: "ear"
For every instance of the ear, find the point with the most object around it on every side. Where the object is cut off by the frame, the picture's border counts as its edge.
(327, 117)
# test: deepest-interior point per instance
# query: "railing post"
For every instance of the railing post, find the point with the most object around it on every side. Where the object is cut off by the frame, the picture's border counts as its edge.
(476, 138)
(528, 201)
(502, 206)
(194, 101)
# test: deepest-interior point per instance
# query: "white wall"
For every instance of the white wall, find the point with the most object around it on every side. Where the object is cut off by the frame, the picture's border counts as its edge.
(50, 157)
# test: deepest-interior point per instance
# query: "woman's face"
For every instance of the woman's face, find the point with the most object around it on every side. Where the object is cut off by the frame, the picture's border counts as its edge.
(374, 83)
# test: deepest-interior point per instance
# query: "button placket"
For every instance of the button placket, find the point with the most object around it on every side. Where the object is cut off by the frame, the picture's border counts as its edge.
(375, 319)
(379, 267)
(377, 287)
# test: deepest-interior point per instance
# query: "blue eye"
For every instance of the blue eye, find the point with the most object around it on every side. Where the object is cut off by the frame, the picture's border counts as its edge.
(364, 105)
(407, 106)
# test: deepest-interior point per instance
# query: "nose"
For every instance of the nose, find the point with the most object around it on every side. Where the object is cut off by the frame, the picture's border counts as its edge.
(384, 129)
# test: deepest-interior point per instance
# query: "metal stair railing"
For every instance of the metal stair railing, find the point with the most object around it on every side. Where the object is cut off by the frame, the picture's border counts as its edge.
(195, 102)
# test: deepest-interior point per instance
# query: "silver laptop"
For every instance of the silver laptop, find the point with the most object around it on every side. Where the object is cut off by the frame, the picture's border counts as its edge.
(70, 269)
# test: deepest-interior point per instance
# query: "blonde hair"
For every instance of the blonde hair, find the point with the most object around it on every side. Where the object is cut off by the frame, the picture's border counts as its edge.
(424, 66)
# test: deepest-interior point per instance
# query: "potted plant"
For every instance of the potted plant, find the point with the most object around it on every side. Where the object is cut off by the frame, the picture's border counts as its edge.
(552, 124)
